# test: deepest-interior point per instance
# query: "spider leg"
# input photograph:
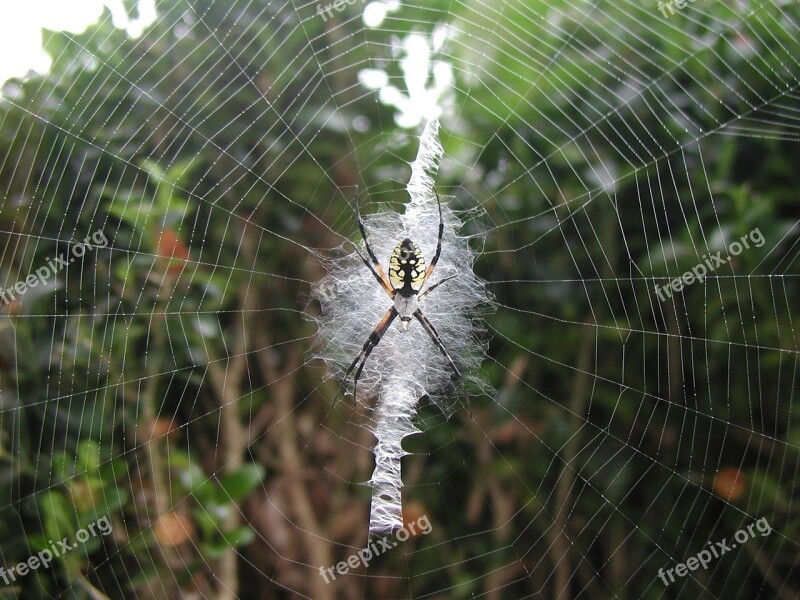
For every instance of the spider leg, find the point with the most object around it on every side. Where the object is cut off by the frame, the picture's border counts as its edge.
(434, 286)
(431, 331)
(373, 264)
(372, 341)
(435, 258)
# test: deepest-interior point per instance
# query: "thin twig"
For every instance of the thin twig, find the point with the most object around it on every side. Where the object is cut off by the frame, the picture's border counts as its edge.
(227, 385)
(283, 391)
(560, 542)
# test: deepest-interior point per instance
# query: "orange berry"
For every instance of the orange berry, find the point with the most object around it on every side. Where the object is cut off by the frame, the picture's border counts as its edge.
(170, 246)
(173, 529)
(730, 484)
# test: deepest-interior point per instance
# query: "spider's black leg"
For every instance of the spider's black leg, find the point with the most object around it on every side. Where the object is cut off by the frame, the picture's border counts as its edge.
(374, 265)
(369, 346)
(435, 258)
(434, 286)
(431, 331)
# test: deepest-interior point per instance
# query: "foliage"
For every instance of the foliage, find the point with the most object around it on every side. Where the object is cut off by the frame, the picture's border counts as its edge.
(162, 380)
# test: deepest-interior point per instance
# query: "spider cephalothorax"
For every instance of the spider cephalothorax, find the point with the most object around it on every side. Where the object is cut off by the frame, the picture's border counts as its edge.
(407, 276)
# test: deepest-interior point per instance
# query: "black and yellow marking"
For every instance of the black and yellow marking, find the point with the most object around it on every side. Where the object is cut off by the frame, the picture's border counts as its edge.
(406, 268)
(407, 276)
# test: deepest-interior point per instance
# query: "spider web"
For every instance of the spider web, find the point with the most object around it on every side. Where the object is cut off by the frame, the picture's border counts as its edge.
(612, 148)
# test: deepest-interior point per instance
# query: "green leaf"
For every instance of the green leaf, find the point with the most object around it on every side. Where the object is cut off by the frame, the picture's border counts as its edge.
(193, 478)
(241, 536)
(59, 516)
(236, 486)
(88, 457)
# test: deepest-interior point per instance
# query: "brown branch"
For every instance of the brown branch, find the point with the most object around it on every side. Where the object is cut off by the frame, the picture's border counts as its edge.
(559, 539)
(282, 386)
(156, 447)
(227, 385)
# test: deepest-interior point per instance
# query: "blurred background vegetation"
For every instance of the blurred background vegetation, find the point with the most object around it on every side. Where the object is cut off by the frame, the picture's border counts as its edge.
(166, 380)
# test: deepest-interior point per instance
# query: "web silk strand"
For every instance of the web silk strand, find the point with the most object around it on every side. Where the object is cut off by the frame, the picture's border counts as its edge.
(398, 400)
(405, 365)
(395, 414)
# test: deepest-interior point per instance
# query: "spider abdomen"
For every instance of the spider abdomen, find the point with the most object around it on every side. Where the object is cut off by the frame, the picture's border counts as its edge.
(406, 268)
(405, 306)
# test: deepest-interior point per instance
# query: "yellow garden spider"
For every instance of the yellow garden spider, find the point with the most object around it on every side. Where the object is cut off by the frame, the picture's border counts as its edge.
(407, 276)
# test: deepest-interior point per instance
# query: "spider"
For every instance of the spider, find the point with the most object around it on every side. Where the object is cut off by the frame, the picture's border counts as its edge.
(407, 276)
